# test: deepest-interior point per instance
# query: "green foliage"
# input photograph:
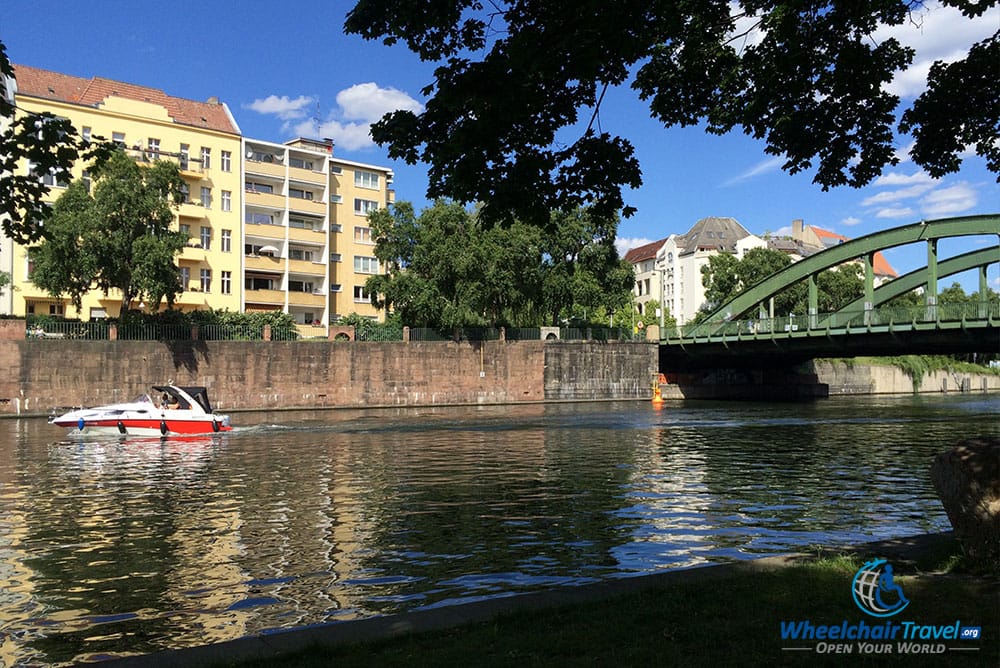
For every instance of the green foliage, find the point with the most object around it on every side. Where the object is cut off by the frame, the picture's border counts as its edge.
(368, 329)
(520, 133)
(447, 270)
(52, 146)
(725, 276)
(119, 237)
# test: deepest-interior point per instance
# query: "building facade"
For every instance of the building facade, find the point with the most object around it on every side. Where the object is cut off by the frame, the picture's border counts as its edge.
(271, 226)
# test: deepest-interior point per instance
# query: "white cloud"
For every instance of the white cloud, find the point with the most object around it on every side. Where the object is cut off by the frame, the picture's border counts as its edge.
(850, 221)
(897, 179)
(349, 125)
(283, 107)
(763, 167)
(625, 244)
(935, 33)
(897, 212)
(946, 201)
(367, 102)
(887, 196)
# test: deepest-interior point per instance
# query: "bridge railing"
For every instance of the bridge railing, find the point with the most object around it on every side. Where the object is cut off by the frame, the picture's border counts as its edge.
(840, 320)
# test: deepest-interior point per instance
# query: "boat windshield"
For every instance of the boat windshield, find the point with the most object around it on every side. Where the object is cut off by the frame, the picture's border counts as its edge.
(143, 399)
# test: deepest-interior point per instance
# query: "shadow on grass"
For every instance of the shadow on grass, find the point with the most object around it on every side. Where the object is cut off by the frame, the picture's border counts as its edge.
(733, 620)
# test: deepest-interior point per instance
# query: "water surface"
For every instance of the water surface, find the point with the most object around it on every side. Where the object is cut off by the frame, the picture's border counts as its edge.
(111, 547)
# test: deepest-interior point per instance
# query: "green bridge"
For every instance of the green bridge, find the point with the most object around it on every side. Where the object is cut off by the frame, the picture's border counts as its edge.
(741, 333)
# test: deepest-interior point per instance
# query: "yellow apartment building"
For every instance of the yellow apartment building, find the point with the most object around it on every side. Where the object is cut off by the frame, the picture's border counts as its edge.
(272, 226)
(356, 189)
(307, 246)
(203, 138)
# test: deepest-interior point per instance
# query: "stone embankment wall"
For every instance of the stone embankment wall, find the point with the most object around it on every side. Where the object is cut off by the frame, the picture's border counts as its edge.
(845, 378)
(42, 376)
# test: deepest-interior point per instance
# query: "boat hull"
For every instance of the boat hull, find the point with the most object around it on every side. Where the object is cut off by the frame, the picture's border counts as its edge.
(145, 426)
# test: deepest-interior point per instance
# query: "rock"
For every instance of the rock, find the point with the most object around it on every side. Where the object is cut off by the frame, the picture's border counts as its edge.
(967, 479)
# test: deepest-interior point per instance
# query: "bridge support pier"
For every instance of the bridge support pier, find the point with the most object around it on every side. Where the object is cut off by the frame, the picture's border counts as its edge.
(744, 385)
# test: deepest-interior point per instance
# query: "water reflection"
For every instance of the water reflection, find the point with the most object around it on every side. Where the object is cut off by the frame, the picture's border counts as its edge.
(110, 547)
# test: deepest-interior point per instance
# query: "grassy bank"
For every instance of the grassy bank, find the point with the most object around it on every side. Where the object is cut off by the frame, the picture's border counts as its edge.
(733, 620)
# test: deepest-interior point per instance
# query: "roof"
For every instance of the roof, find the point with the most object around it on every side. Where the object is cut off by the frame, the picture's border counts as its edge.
(880, 266)
(47, 85)
(646, 252)
(712, 233)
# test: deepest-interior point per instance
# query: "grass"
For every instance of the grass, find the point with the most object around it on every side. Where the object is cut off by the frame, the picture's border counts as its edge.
(733, 620)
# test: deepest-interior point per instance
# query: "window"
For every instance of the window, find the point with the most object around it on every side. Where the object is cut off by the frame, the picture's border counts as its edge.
(227, 282)
(254, 218)
(366, 179)
(226, 161)
(86, 180)
(227, 242)
(300, 163)
(185, 155)
(206, 157)
(206, 197)
(363, 207)
(206, 280)
(85, 132)
(185, 277)
(359, 294)
(363, 234)
(185, 228)
(300, 286)
(334, 169)
(337, 199)
(255, 187)
(336, 287)
(299, 254)
(336, 227)
(305, 224)
(186, 192)
(153, 148)
(336, 257)
(118, 138)
(298, 193)
(97, 313)
(258, 283)
(365, 265)
(206, 237)
(259, 156)
(227, 200)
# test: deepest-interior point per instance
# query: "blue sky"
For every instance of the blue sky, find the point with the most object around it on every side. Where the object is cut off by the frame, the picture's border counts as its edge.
(288, 70)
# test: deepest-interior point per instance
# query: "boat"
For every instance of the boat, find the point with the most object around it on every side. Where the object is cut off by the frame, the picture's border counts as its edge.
(169, 410)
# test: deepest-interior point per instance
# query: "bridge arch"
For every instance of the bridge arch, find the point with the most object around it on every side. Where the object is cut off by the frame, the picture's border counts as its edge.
(864, 248)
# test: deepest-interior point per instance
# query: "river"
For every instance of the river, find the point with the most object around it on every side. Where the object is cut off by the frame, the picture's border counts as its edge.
(112, 547)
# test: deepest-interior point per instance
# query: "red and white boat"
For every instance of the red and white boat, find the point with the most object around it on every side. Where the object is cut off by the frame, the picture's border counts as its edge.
(170, 410)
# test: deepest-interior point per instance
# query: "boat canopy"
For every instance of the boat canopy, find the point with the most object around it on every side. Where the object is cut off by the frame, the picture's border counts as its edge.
(198, 393)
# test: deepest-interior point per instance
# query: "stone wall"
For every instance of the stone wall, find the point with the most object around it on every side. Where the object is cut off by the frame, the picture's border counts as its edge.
(42, 376)
(844, 378)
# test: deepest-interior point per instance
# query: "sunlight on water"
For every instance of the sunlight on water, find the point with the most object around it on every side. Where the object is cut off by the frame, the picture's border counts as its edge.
(112, 547)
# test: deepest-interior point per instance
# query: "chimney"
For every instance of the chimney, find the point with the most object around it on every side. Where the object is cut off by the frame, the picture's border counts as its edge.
(213, 100)
(797, 229)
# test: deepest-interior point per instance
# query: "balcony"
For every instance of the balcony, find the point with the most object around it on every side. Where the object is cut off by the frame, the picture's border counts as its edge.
(307, 234)
(308, 176)
(264, 200)
(273, 169)
(307, 267)
(192, 209)
(264, 297)
(307, 299)
(315, 207)
(264, 263)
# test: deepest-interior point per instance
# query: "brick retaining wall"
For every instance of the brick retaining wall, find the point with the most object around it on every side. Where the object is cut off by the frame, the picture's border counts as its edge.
(41, 376)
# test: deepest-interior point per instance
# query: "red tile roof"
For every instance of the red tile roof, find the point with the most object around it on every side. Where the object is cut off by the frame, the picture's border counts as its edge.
(646, 252)
(880, 266)
(35, 82)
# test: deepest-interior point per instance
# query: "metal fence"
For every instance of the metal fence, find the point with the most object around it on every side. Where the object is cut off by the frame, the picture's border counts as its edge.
(102, 331)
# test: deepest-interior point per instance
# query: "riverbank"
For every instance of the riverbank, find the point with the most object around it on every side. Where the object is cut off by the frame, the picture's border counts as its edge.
(718, 615)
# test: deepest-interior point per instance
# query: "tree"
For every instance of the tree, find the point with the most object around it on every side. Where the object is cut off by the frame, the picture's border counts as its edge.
(513, 115)
(117, 238)
(446, 269)
(50, 145)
